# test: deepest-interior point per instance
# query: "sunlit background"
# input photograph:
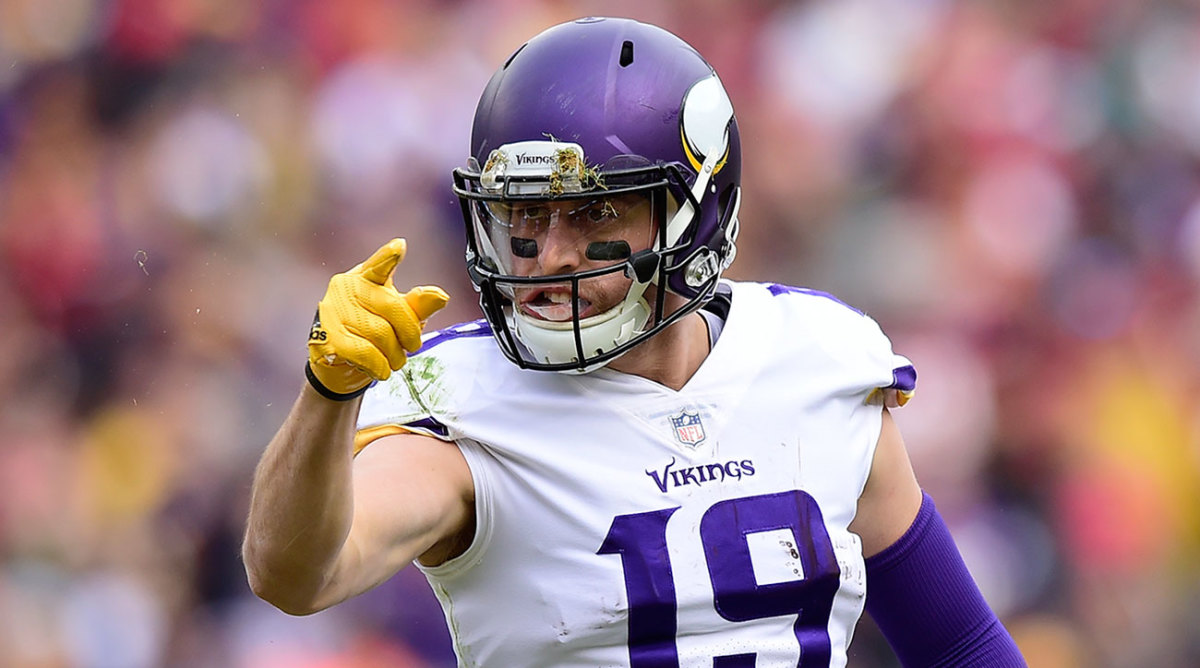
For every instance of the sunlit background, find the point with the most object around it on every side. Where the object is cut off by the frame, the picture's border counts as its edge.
(1012, 188)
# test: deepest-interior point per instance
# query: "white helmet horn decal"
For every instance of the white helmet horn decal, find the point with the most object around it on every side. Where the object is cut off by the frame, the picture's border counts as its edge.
(704, 126)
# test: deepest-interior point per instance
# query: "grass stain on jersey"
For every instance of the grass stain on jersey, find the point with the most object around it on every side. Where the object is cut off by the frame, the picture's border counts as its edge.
(423, 377)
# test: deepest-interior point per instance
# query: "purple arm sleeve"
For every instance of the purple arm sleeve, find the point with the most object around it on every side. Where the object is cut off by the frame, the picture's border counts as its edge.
(927, 605)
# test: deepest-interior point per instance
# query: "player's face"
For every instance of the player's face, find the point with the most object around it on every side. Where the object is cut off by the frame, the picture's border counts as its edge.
(560, 237)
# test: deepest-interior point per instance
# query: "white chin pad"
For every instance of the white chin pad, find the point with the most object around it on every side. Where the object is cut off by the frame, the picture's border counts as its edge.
(553, 342)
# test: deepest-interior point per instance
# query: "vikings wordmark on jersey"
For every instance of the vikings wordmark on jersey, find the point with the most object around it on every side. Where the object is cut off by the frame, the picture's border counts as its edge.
(701, 527)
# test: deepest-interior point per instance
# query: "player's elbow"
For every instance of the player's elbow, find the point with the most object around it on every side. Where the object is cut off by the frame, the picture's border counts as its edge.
(292, 607)
(278, 593)
(284, 590)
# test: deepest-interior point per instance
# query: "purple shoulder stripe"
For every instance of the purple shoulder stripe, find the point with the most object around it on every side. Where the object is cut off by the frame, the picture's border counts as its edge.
(462, 330)
(777, 289)
(904, 379)
(429, 424)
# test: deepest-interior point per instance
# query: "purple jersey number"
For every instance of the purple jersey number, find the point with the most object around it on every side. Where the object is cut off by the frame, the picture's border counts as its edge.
(641, 541)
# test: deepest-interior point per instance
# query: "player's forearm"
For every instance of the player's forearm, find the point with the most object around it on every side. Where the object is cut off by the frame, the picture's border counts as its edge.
(925, 602)
(301, 505)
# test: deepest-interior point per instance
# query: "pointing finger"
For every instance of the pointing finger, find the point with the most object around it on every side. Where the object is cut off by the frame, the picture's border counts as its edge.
(379, 267)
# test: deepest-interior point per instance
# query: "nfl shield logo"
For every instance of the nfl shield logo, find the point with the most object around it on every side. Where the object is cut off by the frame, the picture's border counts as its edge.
(689, 430)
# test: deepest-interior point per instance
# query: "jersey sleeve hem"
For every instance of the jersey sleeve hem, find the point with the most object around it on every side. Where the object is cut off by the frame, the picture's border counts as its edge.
(367, 436)
(426, 427)
(874, 432)
(475, 456)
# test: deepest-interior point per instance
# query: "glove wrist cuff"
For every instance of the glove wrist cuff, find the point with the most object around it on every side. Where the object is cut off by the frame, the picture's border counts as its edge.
(328, 393)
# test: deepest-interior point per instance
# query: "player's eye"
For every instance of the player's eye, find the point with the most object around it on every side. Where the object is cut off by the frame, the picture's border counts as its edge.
(533, 214)
(530, 221)
(599, 212)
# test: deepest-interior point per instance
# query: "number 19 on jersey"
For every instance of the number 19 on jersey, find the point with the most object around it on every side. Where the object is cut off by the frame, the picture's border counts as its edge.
(725, 529)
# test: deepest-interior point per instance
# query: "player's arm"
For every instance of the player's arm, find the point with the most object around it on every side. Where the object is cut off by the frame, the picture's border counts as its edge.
(919, 591)
(325, 526)
(316, 533)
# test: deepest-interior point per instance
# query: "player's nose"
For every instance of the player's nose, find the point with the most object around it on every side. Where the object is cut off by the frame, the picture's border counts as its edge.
(559, 252)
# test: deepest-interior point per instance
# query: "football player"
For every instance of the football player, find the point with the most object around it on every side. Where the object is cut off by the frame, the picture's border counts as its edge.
(629, 461)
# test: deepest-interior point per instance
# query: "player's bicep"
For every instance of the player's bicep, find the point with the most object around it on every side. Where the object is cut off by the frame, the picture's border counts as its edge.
(412, 495)
(891, 498)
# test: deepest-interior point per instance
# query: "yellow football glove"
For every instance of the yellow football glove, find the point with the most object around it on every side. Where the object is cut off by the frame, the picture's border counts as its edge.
(364, 328)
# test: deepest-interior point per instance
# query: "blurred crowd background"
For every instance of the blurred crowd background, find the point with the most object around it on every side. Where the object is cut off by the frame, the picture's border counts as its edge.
(1012, 188)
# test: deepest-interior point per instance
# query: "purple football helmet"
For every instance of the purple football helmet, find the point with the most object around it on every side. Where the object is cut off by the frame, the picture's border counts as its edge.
(614, 140)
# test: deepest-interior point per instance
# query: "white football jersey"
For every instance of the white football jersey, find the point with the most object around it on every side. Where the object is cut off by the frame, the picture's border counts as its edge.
(622, 523)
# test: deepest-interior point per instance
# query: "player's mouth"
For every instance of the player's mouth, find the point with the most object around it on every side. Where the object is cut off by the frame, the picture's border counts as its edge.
(554, 305)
